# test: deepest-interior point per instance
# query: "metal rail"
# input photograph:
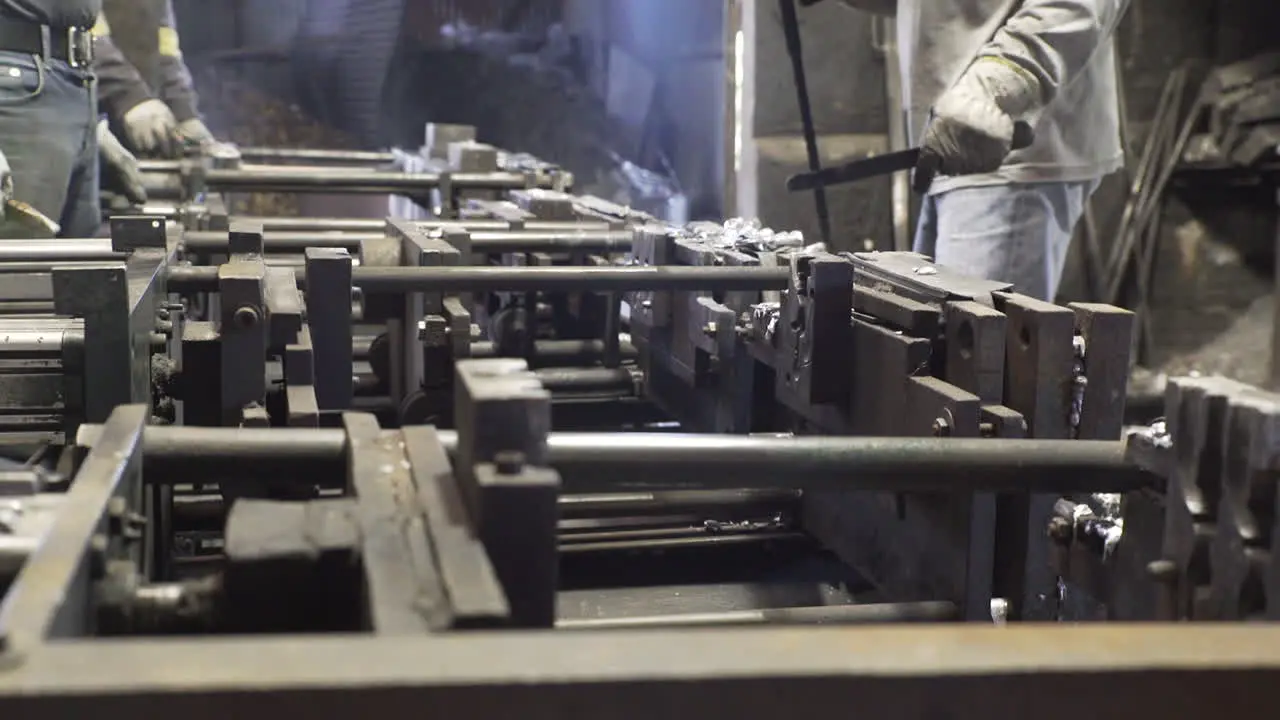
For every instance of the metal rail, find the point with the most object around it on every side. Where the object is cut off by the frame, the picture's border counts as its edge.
(958, 671)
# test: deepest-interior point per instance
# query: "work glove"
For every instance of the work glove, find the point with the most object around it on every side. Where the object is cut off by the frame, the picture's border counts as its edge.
(151, 128)
(972, 129)
(6, 182)
(119, 167)
(18, 220)
(195, 132)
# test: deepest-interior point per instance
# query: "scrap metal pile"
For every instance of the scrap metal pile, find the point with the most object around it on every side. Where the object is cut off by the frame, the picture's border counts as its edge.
(501, 457)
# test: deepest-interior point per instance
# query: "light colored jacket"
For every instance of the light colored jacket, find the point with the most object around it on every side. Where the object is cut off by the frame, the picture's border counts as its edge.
(1065, 44)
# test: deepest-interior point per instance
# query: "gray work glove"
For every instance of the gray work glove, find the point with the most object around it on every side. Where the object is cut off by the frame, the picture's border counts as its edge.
(6, 182)
(151, 128)
(119, 167)
(18, 220)
(195, 132)
(973, 123)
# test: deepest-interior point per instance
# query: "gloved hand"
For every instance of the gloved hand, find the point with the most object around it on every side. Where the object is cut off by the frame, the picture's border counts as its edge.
(972, 127)
(119, 167)
(150, 127)
(6, 183)
(194, 131)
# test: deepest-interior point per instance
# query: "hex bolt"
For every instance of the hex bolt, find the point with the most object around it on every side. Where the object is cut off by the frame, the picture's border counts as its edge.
(509, 462)
(941, 428)
(245, 316)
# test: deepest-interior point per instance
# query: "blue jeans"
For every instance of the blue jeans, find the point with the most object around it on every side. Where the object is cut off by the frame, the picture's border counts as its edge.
(1016, 233)
(48, 132)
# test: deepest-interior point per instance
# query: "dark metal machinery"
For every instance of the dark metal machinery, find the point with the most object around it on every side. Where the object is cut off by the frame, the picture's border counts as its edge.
(328, 459)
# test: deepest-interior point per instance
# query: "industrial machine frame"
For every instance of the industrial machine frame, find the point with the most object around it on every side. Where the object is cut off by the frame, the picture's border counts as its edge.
(51, 668)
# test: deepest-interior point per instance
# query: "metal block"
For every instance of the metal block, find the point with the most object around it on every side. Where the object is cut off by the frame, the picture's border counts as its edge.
(503, 415)
(245, 238)
(975, 349)
(299, 382)
(545, 204)
(1108, 345)
(243, 333)
(1039, 366)
(292, 566)
(283, 306)
(329, 317)
(439, 136)
(820, 329)
(201, 374)
(1240, 553)
(1038, 363)
(882, 360)
(652, 246)
(475, 596)
(915, 318)
(404, 595)
(516, 521)
(499, 406)
(472, 157)
(1196, 412)
(118, 305)
(130, 232)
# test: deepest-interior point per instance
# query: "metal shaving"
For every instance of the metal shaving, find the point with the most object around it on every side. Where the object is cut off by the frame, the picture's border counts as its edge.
(766, 315)
(743, 235)
(1105, 529)
(1078, 383)
(777, 522)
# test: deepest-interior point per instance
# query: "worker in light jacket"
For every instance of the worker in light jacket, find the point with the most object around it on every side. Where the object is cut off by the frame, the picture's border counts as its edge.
(974, 68)
(157, 118)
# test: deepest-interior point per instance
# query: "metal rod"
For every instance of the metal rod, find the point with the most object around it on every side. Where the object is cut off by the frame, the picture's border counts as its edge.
(182, 455)
(613, 503)
(478, 224)
(586, 537)
(603, 462)
(560, 352)
(683, 543)
(62, 250)
(314, 224)
(214, 241)
(820, 615)
(528, 279)
(342, 157)
(483, 241)
(585, 379)
(301, 179)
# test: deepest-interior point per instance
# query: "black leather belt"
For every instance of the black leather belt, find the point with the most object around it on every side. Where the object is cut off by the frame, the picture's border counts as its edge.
(73, 46)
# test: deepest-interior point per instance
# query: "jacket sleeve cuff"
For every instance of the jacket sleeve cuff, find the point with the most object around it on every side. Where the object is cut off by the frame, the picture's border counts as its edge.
(120, 101)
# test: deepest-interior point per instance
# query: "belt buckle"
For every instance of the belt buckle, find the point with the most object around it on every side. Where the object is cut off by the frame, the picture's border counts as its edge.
(79, 47)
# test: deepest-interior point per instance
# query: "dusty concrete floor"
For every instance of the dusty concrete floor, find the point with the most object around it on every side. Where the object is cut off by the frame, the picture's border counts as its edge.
(1241, 352)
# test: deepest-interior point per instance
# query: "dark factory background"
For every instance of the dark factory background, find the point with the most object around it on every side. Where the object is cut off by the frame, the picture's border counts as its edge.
(647, 101)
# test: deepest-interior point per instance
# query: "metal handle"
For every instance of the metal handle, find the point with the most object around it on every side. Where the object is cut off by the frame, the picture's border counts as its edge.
(930, 163)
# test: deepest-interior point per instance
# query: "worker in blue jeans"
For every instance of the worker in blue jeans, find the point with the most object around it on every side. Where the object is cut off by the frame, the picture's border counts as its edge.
(972, 69)
(51, 139)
